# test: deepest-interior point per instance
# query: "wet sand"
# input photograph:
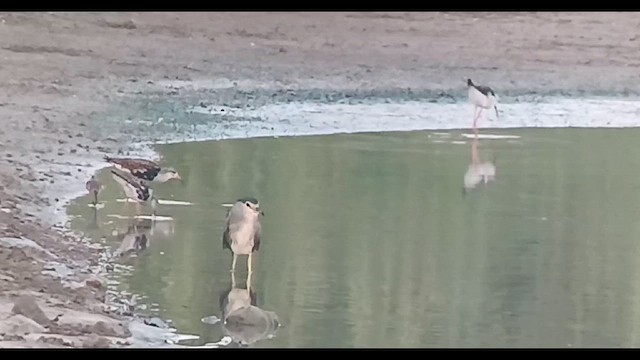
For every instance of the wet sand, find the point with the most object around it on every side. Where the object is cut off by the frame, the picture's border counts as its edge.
(77, 85)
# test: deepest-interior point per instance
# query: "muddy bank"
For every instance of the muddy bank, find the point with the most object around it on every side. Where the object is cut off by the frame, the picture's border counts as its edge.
(77, 86)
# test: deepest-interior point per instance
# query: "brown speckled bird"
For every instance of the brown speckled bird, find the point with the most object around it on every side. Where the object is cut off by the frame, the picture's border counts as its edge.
(144, 169)
(136, 239)
(136, 190)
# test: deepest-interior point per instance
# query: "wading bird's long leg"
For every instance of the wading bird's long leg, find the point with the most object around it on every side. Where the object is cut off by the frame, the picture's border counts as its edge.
(475, 119)
(475, 116)
(475, 157)
(233, 263)
(249, 262)
(233, 280)
(128, 207)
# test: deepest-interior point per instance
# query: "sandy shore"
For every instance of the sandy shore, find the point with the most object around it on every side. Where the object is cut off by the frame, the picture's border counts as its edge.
(77, 86)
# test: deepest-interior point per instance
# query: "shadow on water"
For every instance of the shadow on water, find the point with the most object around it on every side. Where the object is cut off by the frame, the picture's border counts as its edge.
(369, 243)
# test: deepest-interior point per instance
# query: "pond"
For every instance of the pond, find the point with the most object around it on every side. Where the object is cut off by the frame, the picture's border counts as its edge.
(397, 239)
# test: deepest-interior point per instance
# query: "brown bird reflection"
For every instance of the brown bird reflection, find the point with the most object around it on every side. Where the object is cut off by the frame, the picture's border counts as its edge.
(139, 234)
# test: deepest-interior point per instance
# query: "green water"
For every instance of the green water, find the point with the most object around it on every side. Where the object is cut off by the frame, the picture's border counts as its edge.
(369, 241)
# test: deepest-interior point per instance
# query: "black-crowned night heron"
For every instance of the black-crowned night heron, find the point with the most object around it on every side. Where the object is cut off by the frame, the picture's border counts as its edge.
(482, 97)
(242, 319)
(243, 230)
(478, 172)
(94, 187)
(136, 190)
(144, 169)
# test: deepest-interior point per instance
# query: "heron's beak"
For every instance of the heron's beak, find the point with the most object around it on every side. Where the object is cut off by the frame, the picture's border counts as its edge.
(179, 178)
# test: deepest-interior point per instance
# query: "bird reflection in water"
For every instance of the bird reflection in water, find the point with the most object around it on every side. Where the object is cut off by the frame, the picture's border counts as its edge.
(93, 224)
(478, 172)
(242, 320)
(139, 234)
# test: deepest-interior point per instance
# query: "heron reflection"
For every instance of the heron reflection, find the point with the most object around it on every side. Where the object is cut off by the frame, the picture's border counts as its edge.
(242, 320)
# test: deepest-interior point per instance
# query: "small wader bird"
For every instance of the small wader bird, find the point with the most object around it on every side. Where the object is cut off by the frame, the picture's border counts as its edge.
(94, 187)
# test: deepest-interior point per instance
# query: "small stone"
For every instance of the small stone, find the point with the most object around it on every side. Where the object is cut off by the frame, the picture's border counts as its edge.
(95, 282)
(95, 341)
(13, 337)
(53, 341)
(156, 322)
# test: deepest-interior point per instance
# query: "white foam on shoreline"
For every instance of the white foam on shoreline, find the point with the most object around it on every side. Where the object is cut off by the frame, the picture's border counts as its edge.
(491, 136)
(160, 202)
(308, 118)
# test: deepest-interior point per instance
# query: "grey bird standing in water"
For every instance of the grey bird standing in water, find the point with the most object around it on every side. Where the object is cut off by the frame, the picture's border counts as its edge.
(243, 230)
(94, 187)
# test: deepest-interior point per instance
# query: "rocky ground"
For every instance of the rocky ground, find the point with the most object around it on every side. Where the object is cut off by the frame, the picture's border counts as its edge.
(77, 86)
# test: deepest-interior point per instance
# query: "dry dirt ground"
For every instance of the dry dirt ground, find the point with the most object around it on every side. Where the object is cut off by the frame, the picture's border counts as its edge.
(62, 72)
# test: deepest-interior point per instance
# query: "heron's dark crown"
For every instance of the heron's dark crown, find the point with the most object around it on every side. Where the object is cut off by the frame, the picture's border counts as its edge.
(249, 199)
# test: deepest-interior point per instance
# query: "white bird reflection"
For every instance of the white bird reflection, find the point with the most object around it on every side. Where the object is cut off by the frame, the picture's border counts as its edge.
(478, 172)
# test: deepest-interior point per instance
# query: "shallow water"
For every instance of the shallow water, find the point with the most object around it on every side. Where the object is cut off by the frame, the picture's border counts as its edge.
(369, 240)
